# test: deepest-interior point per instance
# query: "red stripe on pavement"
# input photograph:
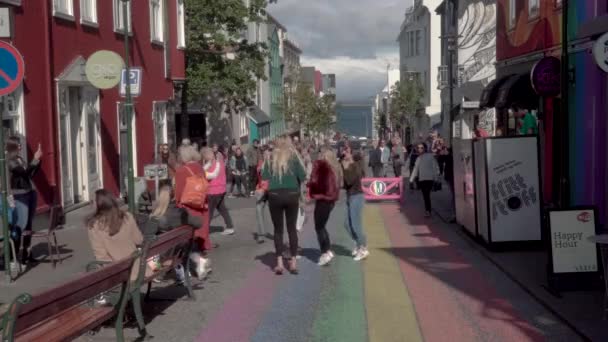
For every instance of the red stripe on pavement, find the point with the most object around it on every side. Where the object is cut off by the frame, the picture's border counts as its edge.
(453, 301)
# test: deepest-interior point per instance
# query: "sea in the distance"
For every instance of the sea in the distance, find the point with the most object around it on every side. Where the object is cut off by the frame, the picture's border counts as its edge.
(354, 119)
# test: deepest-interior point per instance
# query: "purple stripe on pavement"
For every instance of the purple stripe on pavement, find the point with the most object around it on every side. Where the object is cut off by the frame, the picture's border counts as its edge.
(242, 311)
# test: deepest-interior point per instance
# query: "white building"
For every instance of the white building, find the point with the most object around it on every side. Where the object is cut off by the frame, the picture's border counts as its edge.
(420, 56)
(382, 99)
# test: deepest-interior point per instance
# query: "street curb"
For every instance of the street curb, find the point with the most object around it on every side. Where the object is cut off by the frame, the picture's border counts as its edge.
(512, 277)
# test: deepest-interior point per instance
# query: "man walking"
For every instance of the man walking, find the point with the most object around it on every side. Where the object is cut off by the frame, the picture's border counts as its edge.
(375, 160)
(253, 157)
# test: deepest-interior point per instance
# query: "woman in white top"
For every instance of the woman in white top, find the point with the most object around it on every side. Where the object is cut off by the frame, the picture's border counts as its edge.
(426, 172)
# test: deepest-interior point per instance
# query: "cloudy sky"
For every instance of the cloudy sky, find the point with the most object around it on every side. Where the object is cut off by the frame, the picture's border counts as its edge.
(355, 39)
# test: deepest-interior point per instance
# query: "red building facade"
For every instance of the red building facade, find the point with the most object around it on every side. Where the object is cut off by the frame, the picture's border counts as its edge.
(80, 127)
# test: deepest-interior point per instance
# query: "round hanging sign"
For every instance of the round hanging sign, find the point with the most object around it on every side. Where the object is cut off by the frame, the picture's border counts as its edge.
(545, 77)
(378, 188)
(104, 69)
(600, 52)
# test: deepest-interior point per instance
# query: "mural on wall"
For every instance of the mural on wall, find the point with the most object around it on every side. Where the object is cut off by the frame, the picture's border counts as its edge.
(477, 40)
(528, 33)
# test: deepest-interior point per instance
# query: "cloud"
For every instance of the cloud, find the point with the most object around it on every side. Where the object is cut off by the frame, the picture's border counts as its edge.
(351, 38)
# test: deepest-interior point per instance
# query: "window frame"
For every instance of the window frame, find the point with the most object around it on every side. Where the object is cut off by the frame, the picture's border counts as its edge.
(536, 14)
(92, 21)
(512, 14)
(181, 24)
(12, 2)
(118, 20)
(157, 27)
(67, 13)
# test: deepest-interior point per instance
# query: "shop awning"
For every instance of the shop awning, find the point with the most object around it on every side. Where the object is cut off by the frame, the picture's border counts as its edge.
(517, 89)
(258, 116)
(490, 92)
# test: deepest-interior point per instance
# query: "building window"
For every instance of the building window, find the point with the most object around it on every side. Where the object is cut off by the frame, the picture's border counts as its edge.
(512, 13)
(88, 12)
(558, 3)
(156, 21)
(12, 2)
(63, 9)
(533, 8)
(418, 42)
(181, 26)
(119, 16)
(13, 119)
(412, 50)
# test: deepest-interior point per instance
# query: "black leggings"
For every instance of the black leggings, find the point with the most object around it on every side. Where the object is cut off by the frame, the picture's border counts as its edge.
(322, 211)
(218, 202)
(283, 205)
(426, 187)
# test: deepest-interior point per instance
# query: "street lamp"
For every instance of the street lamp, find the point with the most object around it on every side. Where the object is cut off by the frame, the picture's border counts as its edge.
(128, 110)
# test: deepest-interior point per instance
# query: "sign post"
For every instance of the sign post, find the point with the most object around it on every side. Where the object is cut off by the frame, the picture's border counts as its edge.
(128, 110)
(12, 69)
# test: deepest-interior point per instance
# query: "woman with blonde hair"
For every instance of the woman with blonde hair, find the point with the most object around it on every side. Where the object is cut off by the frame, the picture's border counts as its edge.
(191, 166)
(285, 173)
(324, 189)
(167, 216)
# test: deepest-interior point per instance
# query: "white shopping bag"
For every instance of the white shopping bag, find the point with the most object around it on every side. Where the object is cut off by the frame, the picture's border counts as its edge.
(301, 219)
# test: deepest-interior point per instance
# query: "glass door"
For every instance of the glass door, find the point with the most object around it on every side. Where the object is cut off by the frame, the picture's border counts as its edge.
(93, 151)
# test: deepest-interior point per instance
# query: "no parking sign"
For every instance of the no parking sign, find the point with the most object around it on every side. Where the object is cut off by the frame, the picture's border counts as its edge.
(12, 68)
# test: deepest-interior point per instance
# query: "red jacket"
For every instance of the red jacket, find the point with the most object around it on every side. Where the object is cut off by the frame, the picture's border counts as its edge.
(323, 183)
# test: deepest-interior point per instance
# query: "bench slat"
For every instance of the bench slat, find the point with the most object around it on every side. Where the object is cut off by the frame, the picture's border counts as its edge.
(68, 325)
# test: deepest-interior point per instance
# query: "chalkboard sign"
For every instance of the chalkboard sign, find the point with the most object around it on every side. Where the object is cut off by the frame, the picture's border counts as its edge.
(572, 255)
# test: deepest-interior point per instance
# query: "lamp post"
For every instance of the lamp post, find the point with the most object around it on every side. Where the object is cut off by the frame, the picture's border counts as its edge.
(128, 109)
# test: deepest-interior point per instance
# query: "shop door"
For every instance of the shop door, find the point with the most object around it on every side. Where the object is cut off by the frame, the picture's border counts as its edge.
(67, 190)
(92, 148)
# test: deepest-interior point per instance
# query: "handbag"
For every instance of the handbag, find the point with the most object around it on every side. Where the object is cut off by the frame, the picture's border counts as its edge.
(437, 186)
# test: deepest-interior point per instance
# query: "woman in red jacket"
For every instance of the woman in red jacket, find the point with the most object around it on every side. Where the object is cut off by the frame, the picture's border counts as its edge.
(323, 189)
(191, 165)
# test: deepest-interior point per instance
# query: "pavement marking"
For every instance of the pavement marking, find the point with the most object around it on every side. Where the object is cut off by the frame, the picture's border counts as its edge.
(453, 300)
(290, 317)
(390, 312)
(240, 315)
(340, 314)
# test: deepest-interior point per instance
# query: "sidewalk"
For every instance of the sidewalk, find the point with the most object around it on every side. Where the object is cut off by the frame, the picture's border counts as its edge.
(581, 310)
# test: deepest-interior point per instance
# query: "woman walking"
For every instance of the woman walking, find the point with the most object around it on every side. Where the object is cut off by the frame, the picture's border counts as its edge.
(426, 172)
(23, 190)
(238, 168)
(324, 190)
(261, 195)
(285, 175)
(215, 172)
(353, 173)
(397, 155)
(192, 167)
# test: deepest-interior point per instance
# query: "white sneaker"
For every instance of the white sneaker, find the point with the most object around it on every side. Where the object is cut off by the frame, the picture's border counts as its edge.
(203, 269)
(325, 258)
(355, 251)
(16, 267)
(228, 231)
(363, 253)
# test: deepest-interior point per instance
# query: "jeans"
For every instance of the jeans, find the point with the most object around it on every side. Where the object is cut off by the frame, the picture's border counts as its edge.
(283, 205)
(25, 209)
(253, 177)
(426, 187)
(397, 166)
(261, 201)
(353, 222)
(219, 202)
(241, 184)
(322, 211)
(377, 170)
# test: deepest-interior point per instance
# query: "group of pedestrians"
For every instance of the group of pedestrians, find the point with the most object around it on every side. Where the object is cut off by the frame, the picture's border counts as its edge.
(384, 155)
(284, 176)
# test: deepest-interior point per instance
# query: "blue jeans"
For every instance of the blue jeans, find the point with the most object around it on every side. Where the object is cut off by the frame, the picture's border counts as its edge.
(25, 209)
(353, 222)
(261, 201)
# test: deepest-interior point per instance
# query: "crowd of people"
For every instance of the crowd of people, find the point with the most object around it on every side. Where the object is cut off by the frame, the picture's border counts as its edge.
(283, 176)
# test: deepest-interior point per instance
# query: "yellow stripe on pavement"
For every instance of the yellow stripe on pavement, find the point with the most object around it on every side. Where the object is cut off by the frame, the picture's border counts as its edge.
(390, 312)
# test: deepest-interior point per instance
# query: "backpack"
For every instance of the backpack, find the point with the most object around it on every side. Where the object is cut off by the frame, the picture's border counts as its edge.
(195, 191)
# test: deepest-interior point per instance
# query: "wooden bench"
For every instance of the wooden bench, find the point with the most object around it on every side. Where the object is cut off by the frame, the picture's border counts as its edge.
(173, 247)
(67, 311)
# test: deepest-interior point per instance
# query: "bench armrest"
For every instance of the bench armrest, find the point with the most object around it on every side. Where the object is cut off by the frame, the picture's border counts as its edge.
(10, 316)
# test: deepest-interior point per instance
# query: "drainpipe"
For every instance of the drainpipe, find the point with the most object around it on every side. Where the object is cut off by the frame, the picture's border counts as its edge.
(563, 134)
(51, 143)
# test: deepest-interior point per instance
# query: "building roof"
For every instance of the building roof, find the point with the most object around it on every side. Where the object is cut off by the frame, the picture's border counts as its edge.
(274, 21)
(257, 115)
(292, 45)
